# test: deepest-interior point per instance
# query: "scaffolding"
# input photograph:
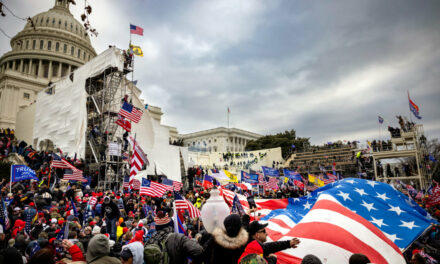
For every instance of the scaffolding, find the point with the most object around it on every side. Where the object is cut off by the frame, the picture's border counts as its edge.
(104, 140)
(407, 144)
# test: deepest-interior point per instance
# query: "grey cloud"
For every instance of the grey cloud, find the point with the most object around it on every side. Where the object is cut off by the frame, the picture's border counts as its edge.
(324, 68)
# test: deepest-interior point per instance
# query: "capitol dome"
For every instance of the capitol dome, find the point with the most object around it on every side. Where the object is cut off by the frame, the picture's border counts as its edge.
(50, 47)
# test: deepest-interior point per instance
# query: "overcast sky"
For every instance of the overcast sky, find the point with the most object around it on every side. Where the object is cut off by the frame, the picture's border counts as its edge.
(324, 68)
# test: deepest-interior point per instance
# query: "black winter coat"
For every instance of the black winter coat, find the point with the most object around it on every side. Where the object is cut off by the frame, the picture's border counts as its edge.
(110, 211)
(220, 248)
(180, 247)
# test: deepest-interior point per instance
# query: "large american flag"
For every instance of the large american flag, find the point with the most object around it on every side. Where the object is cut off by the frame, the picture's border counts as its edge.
(337, 233)
(172, 185)
(152, 188)
(138, 159)
(183, 204)
(345, 217)
(130, 112)
(73, 174)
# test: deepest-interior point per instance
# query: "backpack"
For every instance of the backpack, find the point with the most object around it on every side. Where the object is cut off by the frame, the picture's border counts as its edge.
(157, 253)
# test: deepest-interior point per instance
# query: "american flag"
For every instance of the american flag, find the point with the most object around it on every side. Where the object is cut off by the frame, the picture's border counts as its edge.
(136, 30)
(73, 174)
(126, 182)
(130, 112)
(4, 216)
(328, 226)
(177, 185)
(58, 162)
(327, 179)
(152, 188)
(262, 181)
(183, 204)
(137, 160)
(379, 220)
(332, 176)
(272, 183)
(229, 195)
(172, 185)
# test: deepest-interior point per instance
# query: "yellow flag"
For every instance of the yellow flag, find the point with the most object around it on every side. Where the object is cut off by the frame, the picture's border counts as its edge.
(319, 182)
(312, 179)
(137, 50)
(232, 177)
(286, 179)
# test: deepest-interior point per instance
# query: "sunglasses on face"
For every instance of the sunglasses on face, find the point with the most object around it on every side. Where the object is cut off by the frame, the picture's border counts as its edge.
(262, 231)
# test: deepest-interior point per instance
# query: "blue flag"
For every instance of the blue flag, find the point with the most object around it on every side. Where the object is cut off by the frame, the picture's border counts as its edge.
(293, 175)
(249, 178)
(270, 172)
(21, 173)
(75, 212)
(380, 119)
(237, 208)
(394, 213)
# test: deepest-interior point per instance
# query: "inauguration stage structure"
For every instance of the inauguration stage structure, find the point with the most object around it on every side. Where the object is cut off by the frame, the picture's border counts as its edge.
(78, 115)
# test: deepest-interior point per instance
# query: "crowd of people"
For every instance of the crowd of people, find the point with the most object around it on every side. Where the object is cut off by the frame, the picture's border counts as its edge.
(56, 222)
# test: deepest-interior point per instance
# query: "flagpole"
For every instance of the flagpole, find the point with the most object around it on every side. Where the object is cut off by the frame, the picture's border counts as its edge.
(10, 181)
(380, 136)
(48, 177)
(228, 116)
(409, 109)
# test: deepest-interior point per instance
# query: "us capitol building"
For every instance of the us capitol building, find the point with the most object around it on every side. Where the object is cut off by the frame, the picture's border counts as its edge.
(55, 45)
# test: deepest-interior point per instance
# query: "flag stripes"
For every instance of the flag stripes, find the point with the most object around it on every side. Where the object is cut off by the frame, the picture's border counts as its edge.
(183, 204)
(130, 112)
(152, 188)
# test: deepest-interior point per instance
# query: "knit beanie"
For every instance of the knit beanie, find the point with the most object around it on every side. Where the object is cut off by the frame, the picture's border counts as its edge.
(232, 225)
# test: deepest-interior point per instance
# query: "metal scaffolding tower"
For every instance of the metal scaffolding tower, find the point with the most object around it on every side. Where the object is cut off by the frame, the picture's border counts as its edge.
(406, 145)
(106, 92)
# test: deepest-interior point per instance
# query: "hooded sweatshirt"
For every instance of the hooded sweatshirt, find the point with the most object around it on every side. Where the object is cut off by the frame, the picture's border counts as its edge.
(137, 249)
(99, 250)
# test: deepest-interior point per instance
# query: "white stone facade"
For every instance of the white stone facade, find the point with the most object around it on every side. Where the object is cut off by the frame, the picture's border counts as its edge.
(56, 46)
(219, 139)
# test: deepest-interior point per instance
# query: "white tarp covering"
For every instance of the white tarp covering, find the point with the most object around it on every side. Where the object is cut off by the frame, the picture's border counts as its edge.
(164, 158)
(62, 116)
